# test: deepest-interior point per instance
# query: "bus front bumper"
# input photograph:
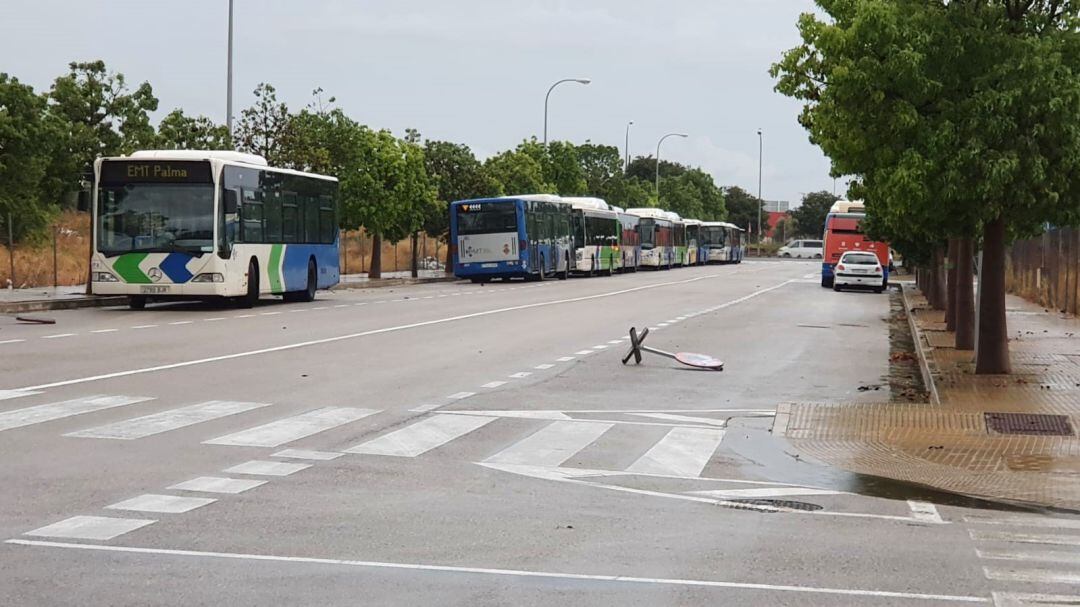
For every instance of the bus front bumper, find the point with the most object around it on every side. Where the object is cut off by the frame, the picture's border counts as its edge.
(185, 290)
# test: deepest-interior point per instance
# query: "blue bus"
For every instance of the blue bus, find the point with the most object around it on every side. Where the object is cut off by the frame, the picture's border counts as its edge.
(526, 237)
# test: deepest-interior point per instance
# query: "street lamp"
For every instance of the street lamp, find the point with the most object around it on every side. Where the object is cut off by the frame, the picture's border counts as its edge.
(760, 145)
(626, 148)
(658, 160)
(577, 80)
(229, 77)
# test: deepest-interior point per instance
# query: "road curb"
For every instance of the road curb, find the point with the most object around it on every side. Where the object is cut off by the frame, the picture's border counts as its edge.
(390, 282)
(920, 350)
(41, 305)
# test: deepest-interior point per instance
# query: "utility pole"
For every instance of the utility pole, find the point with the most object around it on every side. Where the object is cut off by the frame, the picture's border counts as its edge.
(760, 201)
(229, 77)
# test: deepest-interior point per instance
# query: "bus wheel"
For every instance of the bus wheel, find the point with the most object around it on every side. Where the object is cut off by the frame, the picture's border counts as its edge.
(826, 282)
(252, 296)
(137, 302)
(592, 267)
(610, 266)
(540, 277)
(308, 294)
(566, 271)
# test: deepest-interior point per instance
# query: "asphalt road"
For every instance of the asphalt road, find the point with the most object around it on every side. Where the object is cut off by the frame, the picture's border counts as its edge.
(455, 444)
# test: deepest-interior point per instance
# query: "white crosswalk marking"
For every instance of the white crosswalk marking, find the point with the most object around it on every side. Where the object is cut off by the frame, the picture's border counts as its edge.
(166, 504)
(217, 484)
(422, 436)
(682, 452)
(1059, 557)
(53, 411)
(710, 421)
(266, 468)
(771, 492)
(7, 394)
(551, 445)
(306, 454)
(1022, 599)
(543, 367)
(91, 527)
(156, 423)
(1043, 576)
(1026, 521)
(493, 384)
(461, 395)
(520, 374)
(294, 428)
(1024, 538)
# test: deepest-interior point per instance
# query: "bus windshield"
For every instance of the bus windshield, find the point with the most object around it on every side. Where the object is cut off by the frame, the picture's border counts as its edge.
(647, 228)
(155, 217)
(487, 218)
(712, 236)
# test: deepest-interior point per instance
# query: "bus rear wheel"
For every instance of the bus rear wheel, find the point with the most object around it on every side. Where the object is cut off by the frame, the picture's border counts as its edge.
(566, 270)
(308, 294)
(610, 266)
(137, 302)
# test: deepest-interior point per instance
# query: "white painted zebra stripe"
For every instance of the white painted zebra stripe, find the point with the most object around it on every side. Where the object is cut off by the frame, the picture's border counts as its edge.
(294, 428)
(9, 394)
(1024, 538)
(1042, 576)
(682, 452)
(1026, 521)
(53, 411)
(322, 456)
(924, 511)
(156, 423)
(551, 445)
(266, 468)
(1059, 557)
(91, 527)
(165, 504)
(770, 492)
(710, 421)
(423, 436)
(217, 484)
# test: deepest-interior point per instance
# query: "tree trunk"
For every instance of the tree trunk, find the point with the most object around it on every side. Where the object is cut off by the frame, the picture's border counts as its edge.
(375, 271)
(937, 280)
(449, 268)
(950, 286)
(414, 267)
(992, 349)
(965, 298)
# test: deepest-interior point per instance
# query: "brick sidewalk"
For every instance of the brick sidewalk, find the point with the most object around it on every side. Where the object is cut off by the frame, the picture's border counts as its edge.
(949, 446)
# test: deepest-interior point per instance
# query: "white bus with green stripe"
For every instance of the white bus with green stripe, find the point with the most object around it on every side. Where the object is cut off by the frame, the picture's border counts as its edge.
(597, 231)
(192, 224)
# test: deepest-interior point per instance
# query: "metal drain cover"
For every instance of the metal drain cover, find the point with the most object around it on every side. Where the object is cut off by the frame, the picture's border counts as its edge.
(1038, 424)
(782, 504)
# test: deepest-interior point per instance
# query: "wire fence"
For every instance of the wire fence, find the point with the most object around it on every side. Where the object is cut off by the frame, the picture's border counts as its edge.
(1046, 269)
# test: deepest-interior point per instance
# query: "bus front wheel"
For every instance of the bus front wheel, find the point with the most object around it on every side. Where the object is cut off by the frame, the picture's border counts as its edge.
(249, 299)
(137, 302)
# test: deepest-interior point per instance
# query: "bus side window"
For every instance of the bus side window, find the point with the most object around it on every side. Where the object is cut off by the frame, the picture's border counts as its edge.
(327, 225)
(229, 222)
(251, 217)
(290, 218)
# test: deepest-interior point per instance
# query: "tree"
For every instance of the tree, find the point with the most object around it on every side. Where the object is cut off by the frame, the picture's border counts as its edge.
(959, 118)
(518, 173)
(29, 137)
(264, 127)
(742, 207)
(559, 165)
(644, 168)
(809, 217)
(457, 175)
(178, 131)
(601, 166)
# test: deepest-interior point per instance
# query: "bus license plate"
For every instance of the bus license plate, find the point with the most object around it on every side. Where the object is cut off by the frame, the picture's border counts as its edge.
(153, 289)
(489, 265)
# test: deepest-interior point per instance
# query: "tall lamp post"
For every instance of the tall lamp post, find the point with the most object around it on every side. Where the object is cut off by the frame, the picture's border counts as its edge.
(229, 76)
(759, 199)
(548, 96)
(658, 160)
(626, 148)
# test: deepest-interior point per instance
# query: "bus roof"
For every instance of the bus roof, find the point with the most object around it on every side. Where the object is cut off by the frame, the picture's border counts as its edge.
(537, 197)
(649, 212)
(731, 225)
(673, 216)
(692, 222)
(585, 202)
(848, 206)
(223, 156)
(617, 209)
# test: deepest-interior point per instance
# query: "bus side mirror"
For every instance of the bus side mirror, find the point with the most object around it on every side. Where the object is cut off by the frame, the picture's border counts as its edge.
(229, 202)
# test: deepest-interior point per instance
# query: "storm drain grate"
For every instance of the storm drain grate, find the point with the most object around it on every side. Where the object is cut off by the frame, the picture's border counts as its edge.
(791, 505)
(1039, 424)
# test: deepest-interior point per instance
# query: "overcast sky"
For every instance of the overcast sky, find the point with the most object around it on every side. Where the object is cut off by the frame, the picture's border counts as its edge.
(471, 71)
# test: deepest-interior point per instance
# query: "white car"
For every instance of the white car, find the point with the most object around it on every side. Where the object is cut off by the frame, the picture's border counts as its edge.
(802, 249)
(859, 269)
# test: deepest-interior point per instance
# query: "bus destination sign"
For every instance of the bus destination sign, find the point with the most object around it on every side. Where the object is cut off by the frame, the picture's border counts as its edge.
(115, 172)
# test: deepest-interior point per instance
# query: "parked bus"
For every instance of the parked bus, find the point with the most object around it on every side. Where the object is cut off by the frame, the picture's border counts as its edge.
(194, 224)
(693, 241)
(734, 237)
(511, 237)
(843, 232)
(630, 242)
(657, 239)
(678, 232)
(596, 236)
(721, 242)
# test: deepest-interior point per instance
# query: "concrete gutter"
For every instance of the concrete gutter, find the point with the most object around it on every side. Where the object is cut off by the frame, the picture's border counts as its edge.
(390, 282)
(920, 347)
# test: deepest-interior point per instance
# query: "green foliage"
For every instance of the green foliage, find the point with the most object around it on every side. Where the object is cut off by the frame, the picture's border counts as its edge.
(743, 208)
(644, 168)
(457, 175)
(29, 140)
(519, 173)
(263, 127)
(178, 131)
(809, 217)
(602, 168)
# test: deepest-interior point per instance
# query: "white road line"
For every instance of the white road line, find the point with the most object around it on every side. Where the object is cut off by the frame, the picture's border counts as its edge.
(143, 326)
(164, 504)
(663, 324)
(105, 331)
(91, 527)
(1041, 576)
(583, 352)
(461, 395)
(12, 341)
(1025, 521)
(709, 421)
(600, 347)
(513, 573)
(217, 484)
(615, 342)
(156, 423)
(308, 454)
(520, 374)
(269, 313)
(1059, 557)
(58, 336)
(924, 511)
(182, 322)
(29, 416)
(1022, 599)
(422, 436)
(493, 384)
(551, 445)
(214, 319)
(341, 305)
(1024, 538)
(298, 310)
(426, 323)
(266, 468)
(565, 359)
(682, 451)
(544, 367)
(294, 428)
(424, 408)
(771, 492)
(248, 315)
(9, 394)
